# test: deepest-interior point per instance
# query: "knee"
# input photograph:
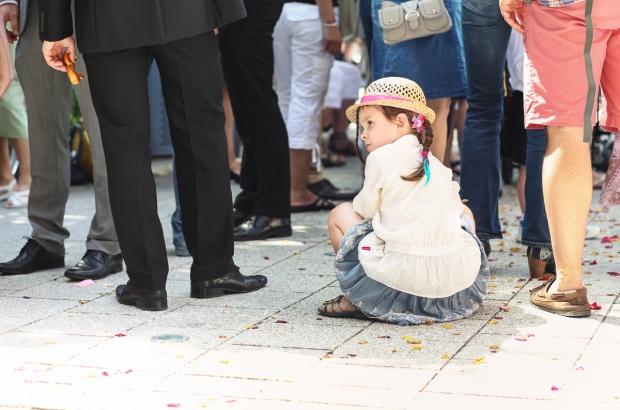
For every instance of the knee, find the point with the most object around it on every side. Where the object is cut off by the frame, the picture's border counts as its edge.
(339, 213)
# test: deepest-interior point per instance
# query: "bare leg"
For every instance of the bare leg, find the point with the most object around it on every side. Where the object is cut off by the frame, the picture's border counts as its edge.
(521, 188)
(567, 189)
(5, 167)
(441, 106)
(339, 140)
(300, 168)
(229, 127)
(340, 220)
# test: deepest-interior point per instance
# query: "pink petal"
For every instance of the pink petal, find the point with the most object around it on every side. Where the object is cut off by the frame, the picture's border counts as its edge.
(174, 405)
(554, 388)
(120, 335)
(85, 283)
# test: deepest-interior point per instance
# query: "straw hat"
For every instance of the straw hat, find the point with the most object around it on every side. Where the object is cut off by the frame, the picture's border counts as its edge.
(394, 92)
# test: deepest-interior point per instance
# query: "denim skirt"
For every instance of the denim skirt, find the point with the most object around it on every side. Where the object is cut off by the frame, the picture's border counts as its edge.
(436, 63)
(379, 301)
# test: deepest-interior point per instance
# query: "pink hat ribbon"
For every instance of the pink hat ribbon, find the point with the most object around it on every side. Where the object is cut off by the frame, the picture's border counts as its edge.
(370, 98)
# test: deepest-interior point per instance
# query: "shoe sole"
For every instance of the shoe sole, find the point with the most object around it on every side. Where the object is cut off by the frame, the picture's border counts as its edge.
(281, 233)
(345, 315)
(53, 266)
(567, 313)
(93, 277)
(206, 293)
(150, 305)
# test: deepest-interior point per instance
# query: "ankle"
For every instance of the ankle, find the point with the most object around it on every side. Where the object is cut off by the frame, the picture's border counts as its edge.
(566, 283)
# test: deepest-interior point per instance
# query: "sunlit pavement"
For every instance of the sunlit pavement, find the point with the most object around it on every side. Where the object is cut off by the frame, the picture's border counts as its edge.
(63, 346)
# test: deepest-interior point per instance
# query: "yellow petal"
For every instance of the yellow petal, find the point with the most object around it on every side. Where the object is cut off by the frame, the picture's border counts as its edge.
(407, 338)
(248, 326)
(494, 347)
(479, 360)
(492, 277)
(446, 326)
(223, 336)
(297, 253)
(588, 272)
(515, 249)
(417, 347)
(511, 280)
(492, 322)
(414, 342)
(445, 357)
(223, 361)
(50, 342)
(518, 287)
(511, 264)
(180, 356)
(501, 243)
(362, 342)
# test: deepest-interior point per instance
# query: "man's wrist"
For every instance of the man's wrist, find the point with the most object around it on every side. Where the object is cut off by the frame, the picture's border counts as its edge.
(334, 24)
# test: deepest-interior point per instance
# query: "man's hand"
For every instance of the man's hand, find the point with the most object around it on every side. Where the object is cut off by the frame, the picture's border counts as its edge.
(512, 10)
(10, 12)
(53, 52)
(333, 40)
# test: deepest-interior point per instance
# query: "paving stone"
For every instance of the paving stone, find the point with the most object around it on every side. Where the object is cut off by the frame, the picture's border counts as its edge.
(86, 324)
(44, 348)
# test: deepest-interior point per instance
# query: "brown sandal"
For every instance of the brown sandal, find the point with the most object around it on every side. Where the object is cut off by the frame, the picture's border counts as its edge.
(331, 308)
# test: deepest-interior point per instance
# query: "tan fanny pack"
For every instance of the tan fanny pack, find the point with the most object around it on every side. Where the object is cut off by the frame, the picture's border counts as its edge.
(413, 19)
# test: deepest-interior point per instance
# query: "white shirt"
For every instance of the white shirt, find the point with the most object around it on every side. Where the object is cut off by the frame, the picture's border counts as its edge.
(515, 60)
(418, 245)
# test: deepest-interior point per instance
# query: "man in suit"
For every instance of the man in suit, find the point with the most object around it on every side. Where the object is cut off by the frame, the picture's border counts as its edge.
(117, 42)
(48, 95)
(264, 200)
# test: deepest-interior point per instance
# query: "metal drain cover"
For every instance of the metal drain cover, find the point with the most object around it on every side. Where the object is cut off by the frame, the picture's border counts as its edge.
(169, 338)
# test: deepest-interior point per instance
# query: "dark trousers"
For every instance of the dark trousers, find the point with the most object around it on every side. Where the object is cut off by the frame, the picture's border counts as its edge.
(247, 58)
(192, 86)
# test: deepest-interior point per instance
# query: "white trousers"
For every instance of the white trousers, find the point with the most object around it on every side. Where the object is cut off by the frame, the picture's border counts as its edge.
(302, 69)
(345, 81)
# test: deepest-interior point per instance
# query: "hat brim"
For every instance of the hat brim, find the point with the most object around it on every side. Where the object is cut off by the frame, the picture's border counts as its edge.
(406, 105)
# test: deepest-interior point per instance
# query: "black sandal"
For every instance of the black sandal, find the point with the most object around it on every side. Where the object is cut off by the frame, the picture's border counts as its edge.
(331, 308)
(319, 204)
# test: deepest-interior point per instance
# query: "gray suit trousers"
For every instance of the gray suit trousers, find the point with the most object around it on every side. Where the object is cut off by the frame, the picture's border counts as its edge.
(48, 98)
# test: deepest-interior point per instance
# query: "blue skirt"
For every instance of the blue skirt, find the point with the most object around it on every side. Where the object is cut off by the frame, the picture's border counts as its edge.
(436, 63)
(379, 301)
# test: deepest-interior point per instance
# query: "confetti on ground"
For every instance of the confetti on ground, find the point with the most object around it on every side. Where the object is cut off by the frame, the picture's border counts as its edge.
(85, 283)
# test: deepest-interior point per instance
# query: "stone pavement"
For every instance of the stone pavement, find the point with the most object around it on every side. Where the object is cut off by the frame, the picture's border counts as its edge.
(67, 347)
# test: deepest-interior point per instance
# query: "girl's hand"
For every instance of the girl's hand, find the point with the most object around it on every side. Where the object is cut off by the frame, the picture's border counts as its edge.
(333, 40)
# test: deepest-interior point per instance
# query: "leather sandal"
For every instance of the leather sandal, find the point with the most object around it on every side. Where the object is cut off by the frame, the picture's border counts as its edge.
(319, 204)
(331, 308)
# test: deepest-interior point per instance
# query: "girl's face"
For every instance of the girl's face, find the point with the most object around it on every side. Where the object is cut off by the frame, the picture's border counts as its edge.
(380, 130)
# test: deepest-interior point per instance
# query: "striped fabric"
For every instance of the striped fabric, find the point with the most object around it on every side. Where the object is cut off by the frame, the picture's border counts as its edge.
(558, 3)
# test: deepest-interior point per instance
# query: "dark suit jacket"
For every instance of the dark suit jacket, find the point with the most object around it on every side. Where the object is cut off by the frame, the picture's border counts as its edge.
(110, 25)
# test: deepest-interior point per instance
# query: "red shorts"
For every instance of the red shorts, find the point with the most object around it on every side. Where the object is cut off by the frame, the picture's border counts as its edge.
(556, 86)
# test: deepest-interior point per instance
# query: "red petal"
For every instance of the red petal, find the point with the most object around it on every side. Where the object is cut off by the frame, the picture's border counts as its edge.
(607, 239)
(521, 280)
(352, 355)
(491, 260)
(265, 257)
(26, 297)
(593, 263)
(120, 335)
(520, 339)
(613, 273)
(281, 321)
(595, 306)
(608, 246)
(128, 371)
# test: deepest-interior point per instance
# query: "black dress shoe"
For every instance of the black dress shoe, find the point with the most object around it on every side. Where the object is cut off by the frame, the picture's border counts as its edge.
(141, 298)
(263, 227)
(232, 282)
(95, 265)
(486, 245)
(326, 189)
(240, 217)
(31, 258)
